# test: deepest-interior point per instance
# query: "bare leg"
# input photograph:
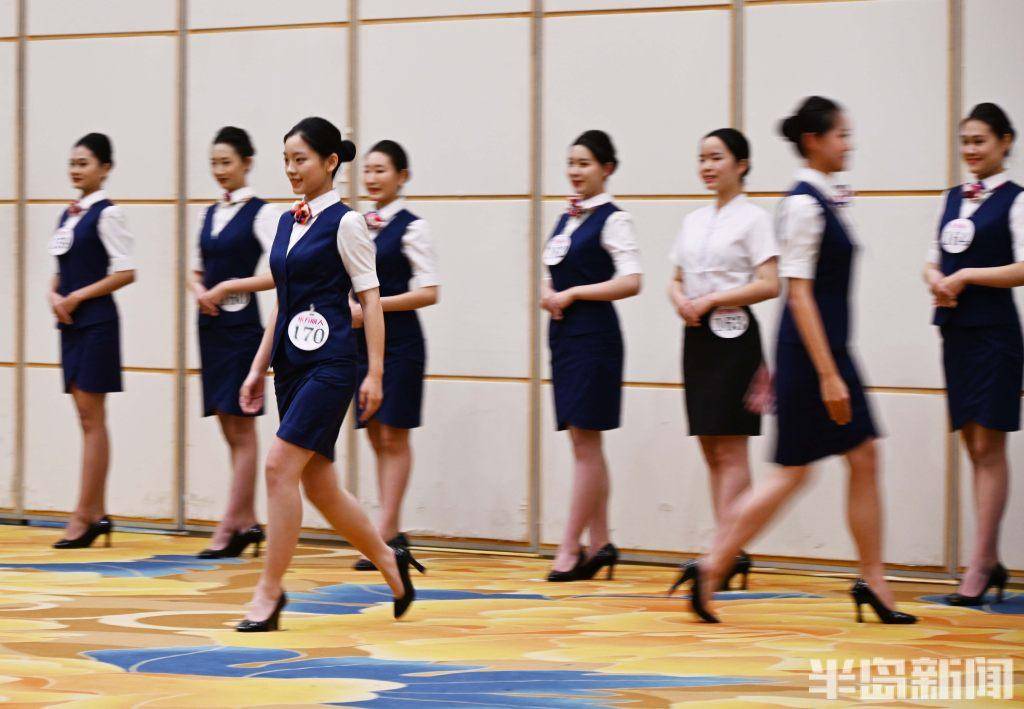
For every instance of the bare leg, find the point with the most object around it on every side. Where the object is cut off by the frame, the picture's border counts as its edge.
(240, 434)
(753, 511)
(864, 517)
(91, 506)
(588, 509)
(285, 463)
(394, 463)
(987, 449)
(348, 518)
(729, 468)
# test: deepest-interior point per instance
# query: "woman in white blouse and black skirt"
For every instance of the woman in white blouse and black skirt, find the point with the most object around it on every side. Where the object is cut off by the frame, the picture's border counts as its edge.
(725, 260)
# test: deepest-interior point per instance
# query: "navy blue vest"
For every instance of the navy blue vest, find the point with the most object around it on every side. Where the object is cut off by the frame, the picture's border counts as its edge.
(85, 263)
(312, 274)
(233, 253)
(832, 277)
(992, 246)
(394, 272)
(585, 263)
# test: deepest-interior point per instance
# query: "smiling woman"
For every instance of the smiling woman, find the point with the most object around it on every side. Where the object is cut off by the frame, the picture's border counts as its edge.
(93, 248)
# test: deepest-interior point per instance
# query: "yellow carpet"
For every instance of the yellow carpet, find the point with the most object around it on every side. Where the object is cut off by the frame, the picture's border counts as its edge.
(147, 624)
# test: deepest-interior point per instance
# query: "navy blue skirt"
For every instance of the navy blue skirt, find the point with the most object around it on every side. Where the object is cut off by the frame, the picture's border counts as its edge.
(312, 402)
(226, 354)
(91, 357)
(805, 431)
(586, 375)
(405, 362)
(984, 368)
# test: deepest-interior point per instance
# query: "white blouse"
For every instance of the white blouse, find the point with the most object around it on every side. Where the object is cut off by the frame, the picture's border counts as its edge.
(264, 226)
(618, 237)
(355, 246)
(113, 230)
(970, 206)
(719, 249)
(800, 225)
(417, 247)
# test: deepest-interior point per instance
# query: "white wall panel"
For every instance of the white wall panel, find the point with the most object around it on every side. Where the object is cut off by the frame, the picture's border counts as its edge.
(262, 90)
(569, 5)
(89, 16)
(481, 324)
(992, 51)
(249, 13)
(654, 124)
(8, 18)
(129, 95)
(8, 107)
(146, 306)
(7, 417)
(464, 122)
(470, 460)
(893, 83)
(141, 476)
(377, 9)
(7, 283)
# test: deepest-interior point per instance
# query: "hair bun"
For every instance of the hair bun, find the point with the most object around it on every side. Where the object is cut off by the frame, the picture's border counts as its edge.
(789, 128)
(346, 151)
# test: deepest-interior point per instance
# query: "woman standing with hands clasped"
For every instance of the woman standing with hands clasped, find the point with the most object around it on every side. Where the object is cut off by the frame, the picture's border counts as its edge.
(820, 402)
(322, 250)
(407, 271)
(94, 258)
(973, 263)
(725, 260)
(593, 260)
(236, 232)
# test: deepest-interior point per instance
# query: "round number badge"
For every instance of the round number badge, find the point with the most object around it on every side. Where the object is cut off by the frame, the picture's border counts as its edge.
(557, 248)
(957, 235)
(308, 330)
(235, 302)
(728, 322)
(61, 241)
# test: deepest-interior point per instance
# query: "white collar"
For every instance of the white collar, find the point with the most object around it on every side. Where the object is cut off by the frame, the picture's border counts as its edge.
(91, 199)
(734, 203)
(997, 180)
(387, 213)
(323, 202)
(596, 201)
(242, 194)
(825, 184)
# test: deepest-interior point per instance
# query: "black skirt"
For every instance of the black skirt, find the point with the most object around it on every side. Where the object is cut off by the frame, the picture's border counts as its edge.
(983, 367)
(717, 373)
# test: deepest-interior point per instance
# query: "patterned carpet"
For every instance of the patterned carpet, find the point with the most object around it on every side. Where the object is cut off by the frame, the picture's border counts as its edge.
(147, 624)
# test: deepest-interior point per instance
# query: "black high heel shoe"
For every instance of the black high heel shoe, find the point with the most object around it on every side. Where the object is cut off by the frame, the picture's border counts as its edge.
(101, 527)
(237, 545)
(998, 578)
(607, 555)
(862, 594)
(690, 572)
(570, 575)
(399, 541)
(272, 622)
(742, 568)
(404, 558)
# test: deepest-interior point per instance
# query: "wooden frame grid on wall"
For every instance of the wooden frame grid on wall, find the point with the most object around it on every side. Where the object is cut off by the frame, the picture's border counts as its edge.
(536, 15)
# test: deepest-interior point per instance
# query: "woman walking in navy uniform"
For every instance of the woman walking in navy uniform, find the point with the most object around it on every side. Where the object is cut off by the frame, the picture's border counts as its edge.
(94, 258)
(973, 263)
(407, 271)
(820, 402)
(236, 232)
(725, 260)
(322, 250)
(592, 259)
